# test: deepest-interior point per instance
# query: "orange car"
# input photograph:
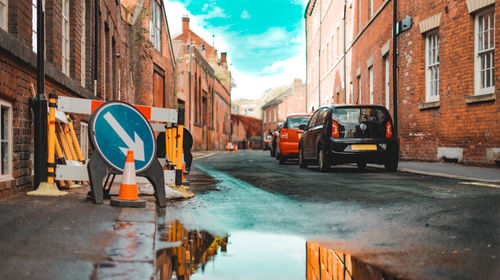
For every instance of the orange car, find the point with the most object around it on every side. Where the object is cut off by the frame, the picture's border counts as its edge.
(289, 136)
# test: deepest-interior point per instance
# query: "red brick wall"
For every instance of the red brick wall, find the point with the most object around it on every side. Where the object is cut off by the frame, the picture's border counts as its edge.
(455, 123)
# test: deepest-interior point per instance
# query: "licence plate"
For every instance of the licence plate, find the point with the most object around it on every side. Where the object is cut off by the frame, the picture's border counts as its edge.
(364, 147)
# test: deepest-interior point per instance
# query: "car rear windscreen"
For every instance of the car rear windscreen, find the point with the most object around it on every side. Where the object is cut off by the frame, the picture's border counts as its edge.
(295, 122)
(361, 122)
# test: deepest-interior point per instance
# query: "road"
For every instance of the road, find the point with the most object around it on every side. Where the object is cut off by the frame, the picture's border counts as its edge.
(270, 216)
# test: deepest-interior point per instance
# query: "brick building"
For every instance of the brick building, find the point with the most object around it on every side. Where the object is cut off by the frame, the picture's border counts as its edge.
(88, 55)
(291, 100)
(446, 95)
(246, 129)
(203, 89)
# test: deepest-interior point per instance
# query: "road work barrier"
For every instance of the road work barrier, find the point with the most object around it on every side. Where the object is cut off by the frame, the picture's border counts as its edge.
(170, 121)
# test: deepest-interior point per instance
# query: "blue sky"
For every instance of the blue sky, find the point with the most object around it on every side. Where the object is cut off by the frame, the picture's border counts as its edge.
(264, 39)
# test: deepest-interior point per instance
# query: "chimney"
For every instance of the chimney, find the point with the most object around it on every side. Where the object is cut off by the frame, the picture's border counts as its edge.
(185, 24)
(223, 58)
(297, 83)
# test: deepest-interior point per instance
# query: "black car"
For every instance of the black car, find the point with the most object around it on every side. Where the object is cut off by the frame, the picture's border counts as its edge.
(349, 134)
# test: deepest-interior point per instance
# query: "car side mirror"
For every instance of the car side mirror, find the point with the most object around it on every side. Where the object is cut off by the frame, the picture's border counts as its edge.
(302, 127)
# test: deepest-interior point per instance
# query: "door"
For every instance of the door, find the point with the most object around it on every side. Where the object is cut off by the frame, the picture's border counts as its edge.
(307, 142)
(158, 88)
(317, 131)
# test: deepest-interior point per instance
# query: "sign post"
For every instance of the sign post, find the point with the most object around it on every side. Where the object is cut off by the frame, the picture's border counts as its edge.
(116, 127)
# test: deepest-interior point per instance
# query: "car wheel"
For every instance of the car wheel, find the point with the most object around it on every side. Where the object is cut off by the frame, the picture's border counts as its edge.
(324, 165)
(392, 165)
(361, 165)
(282, 159)
(302, 161)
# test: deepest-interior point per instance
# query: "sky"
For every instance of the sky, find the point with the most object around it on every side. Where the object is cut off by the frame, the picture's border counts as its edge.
(264, 39)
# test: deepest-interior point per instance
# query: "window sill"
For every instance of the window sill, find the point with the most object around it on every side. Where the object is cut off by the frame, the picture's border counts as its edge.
(480, 98)
(198, 124)
(429, 105)
(6, 178)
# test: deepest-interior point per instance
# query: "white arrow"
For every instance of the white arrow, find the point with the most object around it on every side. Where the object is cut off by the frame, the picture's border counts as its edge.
(137, 146)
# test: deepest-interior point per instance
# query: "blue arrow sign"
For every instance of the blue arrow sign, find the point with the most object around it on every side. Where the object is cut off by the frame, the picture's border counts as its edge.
(117, 127)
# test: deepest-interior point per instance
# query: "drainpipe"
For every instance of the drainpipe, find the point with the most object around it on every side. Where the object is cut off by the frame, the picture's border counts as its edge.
(395, 64)
(39, 104)
(307, 76)
(190, 79)
(345, 55)
(319, 54)
(96, 43)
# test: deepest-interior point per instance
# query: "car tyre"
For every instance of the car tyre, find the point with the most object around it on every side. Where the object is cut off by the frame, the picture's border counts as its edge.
(282, 159)
(302, 162)
(324, 164)
(361, 165)
(392, 165)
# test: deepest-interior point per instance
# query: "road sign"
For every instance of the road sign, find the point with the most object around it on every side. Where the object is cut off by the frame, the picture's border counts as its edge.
(115, 127)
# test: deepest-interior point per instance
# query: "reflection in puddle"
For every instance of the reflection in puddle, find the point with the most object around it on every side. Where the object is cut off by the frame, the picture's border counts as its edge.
(325, 263)
(252, 255)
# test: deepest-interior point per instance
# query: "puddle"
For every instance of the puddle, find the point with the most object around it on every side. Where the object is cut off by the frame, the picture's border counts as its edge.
(253, 255)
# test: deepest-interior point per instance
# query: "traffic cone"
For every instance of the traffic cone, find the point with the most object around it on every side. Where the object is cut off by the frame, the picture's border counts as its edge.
(128, 196)
(236, 148)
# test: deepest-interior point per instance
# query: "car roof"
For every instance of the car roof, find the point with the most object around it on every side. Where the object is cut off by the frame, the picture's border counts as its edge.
(299, 115)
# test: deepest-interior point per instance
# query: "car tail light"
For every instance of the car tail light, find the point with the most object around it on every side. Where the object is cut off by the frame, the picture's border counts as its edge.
(284, 134)
(335, 130)
(388, 130)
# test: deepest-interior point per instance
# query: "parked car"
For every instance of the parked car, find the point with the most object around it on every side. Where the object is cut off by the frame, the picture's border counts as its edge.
(267, 142)
(349, 134)
(289, 135)
(274, 139)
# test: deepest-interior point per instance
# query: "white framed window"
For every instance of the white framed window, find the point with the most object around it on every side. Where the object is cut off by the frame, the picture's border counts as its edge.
(370, 8)
(370, 85)
(3, 14)
(83, 44)
(265, 117)
(65, 37)
(359, 16)
(484, 52)
(359, 90)
(34, 26)
(275, 115)
(84, 140)
(432, 66)
(387, 71)
(5, 141)
(155, 25)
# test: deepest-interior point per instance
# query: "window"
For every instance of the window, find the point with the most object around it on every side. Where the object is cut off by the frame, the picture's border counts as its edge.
(370, 9)
(386, 80)
(34, 26)
(312, 121)
(83, 44)
(84, 139)
(432, 66)
(65, 37)
(359, 90)
(321, 117)
(5, 140)
(484, 63)
(274, 114)
(265, 117)
(3, 14)
(359, 16)
(155, 25)
(370, 88)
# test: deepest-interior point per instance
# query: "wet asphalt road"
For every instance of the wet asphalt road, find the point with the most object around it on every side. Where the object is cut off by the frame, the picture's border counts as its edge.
(411, 226)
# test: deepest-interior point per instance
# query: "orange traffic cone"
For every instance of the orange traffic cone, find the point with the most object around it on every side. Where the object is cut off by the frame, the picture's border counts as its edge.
(236, 148)
(128, 196)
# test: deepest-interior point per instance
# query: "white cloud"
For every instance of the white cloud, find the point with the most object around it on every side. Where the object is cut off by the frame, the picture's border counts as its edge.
(245, 14)
(249, 84)
(253, 85)
(175, 12)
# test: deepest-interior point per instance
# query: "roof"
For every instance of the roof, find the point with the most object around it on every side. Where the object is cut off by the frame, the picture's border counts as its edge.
(278, 99)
